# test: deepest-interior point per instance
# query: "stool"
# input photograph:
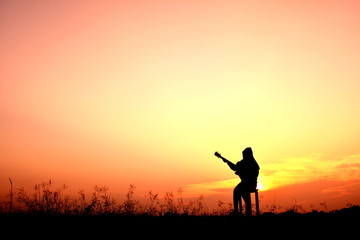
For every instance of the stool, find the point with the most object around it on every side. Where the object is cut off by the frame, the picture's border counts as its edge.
(256, 191)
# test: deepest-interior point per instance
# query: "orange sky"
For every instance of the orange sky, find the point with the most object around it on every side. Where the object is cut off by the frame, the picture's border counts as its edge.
(143, 92)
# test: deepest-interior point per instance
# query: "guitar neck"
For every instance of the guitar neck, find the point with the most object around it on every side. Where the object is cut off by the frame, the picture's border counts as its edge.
(224, 159)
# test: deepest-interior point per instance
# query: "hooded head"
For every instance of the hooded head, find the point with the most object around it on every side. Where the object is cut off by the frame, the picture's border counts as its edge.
(247, 153)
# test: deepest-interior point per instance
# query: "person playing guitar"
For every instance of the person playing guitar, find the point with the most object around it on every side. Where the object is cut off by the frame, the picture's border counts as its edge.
(248, 171)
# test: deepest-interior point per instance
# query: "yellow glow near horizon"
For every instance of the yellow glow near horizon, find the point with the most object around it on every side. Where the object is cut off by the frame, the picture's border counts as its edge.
(260, 186)
(289, 172)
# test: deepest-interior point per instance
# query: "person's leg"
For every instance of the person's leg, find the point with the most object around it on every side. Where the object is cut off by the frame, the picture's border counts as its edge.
(236, 197)
(247, 199)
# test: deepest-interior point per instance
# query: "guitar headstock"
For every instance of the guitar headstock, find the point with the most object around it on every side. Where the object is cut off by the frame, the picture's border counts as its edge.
(217, 154)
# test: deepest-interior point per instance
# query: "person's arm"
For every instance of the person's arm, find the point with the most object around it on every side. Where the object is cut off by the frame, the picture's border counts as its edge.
(231, 165)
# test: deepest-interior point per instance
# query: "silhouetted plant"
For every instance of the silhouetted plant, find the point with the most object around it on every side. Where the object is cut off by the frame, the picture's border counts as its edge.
(152, 205)
(80, 204)
(324, 205)
(200, 208)
(101, 202)
(272, 208)
(295, 208)
(130, 205)
(170, 207)
(222, 209)
(47, 199)
(11, 195)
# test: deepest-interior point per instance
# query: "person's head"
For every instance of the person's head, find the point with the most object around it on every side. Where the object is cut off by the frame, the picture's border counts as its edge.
(247, 153)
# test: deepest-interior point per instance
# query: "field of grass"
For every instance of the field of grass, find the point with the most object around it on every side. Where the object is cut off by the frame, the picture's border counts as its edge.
(48, 208)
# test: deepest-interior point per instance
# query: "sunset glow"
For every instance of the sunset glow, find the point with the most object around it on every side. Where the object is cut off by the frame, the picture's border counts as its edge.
(144, 92)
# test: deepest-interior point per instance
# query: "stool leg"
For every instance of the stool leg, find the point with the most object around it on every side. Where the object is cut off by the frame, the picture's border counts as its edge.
(249, 213)
(240, 205)
(257, 203)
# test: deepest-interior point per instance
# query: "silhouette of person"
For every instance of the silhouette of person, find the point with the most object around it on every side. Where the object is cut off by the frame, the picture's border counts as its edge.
(248, 170)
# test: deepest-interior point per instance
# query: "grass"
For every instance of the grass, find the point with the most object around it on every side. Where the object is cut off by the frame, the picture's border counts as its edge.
(47, 199)
(48, 208)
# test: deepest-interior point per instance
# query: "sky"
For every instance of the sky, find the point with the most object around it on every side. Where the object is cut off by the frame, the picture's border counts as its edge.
(144, 92)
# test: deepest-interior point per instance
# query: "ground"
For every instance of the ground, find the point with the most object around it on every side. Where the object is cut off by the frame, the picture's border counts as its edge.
(287, 225)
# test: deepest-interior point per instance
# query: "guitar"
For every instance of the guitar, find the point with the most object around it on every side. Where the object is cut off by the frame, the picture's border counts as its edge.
(231, 165)
(217, 154)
